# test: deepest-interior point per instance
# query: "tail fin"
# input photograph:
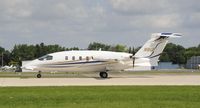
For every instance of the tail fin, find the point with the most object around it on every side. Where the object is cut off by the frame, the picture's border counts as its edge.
(153, 48)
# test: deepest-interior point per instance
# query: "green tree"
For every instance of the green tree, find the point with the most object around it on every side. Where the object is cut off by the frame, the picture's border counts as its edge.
(173, 53)
(97, 46)
(5, 55)
(23, 52)
(164, 58)
(192, 51)
(120, 48)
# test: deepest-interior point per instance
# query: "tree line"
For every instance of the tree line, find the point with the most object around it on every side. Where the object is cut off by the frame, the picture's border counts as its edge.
(176, 54)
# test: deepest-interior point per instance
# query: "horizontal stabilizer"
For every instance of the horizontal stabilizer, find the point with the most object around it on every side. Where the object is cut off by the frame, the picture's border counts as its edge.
(171, 35)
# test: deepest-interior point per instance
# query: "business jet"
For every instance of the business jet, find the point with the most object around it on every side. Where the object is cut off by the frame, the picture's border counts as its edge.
(103, 61)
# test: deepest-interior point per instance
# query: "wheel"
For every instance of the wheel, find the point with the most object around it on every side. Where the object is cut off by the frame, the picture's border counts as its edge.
(39, 75)
(103, 74)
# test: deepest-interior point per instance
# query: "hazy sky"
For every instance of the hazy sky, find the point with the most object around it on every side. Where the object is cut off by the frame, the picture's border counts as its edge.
(78, 22)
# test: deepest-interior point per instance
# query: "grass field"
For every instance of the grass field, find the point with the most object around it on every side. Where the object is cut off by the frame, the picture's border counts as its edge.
(101, 97)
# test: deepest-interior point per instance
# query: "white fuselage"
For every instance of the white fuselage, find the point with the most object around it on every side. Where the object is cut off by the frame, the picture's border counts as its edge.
(103, 61)
(81, 61)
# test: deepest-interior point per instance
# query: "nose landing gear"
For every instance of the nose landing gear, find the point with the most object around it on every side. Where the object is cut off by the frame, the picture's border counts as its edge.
(39, 75)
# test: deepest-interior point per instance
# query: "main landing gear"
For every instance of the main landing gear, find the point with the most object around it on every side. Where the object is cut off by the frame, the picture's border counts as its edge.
(39, 75)
(103, 74)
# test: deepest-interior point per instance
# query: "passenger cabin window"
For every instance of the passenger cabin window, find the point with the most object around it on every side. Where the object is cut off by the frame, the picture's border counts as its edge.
(80, 57)
(73, 58)
(46, 57)
(87, 58)
(66, 57)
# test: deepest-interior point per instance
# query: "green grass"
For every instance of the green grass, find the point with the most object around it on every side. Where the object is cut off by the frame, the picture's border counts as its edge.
(101, 97)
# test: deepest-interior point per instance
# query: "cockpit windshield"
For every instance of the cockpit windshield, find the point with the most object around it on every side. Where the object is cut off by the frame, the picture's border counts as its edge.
(46, 57)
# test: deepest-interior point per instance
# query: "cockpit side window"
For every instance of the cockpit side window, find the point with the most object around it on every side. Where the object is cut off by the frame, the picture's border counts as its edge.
(46, 57)
(49, 58)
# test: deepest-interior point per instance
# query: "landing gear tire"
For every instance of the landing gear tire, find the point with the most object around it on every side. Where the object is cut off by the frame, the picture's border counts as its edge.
(103, 74)
(39, 75)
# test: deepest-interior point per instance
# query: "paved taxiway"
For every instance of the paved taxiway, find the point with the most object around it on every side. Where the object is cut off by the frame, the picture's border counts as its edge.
(135, 80)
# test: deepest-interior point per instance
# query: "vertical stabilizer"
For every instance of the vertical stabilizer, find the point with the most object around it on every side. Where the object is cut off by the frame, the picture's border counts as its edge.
(149, 54)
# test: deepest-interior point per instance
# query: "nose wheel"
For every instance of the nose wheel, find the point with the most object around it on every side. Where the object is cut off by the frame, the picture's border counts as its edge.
(103, 74)
(39, 75)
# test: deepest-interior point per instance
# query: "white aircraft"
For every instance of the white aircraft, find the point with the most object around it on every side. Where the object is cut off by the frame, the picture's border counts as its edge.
(102, 61)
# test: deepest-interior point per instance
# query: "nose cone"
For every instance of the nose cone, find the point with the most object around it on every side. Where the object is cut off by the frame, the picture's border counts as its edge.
(28, 65)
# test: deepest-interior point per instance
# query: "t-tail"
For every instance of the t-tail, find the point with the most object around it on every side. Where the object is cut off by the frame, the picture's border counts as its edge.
(148, 56)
